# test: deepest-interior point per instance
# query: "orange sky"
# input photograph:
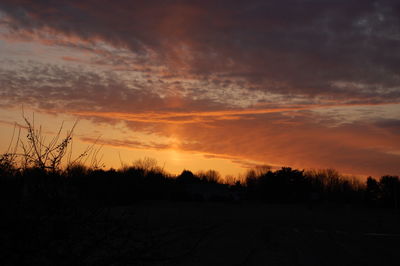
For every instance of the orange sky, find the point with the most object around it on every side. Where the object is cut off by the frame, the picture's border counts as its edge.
(197, 85)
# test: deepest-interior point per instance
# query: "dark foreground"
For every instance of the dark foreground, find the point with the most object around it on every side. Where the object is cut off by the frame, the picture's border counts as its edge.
(201, 233)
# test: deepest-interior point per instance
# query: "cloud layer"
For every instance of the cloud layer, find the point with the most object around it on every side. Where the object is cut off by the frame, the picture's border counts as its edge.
(253, 79)
(345, 50)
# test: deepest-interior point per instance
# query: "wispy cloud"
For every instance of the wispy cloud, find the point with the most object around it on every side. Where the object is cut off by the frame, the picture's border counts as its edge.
(205, 116)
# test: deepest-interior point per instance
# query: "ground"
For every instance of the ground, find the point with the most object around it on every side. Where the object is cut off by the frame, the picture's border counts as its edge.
(207, 233)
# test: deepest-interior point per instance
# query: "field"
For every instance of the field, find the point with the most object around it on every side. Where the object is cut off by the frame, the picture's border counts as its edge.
(204, 233)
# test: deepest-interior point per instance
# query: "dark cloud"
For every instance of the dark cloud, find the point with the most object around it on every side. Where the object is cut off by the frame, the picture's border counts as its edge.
(346, 49)
(390, 124)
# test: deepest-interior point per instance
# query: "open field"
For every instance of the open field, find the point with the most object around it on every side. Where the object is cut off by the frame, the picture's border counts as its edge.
(205, 233)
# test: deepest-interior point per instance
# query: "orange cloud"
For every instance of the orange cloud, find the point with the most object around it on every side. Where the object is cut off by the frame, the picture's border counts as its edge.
(184, 117)
(72, 59)
(203, 116)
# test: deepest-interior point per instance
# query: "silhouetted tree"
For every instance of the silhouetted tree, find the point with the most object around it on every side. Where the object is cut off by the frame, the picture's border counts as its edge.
(390, 189)
(210, 176)
(372, 192)
(187, 177)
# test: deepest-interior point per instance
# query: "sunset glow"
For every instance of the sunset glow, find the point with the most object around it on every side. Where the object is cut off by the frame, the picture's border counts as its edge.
(199, 85)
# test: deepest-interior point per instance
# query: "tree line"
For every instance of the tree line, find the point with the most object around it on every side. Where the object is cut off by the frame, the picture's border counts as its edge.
(37, 174)
(146, 181)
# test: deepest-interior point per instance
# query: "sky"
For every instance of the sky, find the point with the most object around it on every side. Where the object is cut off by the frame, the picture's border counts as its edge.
(223, 85)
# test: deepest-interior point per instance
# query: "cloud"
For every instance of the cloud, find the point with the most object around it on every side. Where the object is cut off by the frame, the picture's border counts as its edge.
(393, 124)
(353, 148)
(279, 134)
(133, 144)
(346, 50)
(50, 86)
(109, 95)
(303, 141)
